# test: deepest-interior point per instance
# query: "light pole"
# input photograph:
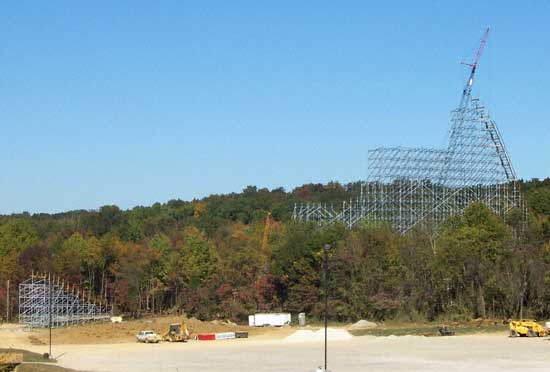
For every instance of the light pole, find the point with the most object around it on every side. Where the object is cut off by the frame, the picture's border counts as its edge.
(325, 275)
(50, 312)
(50, 299)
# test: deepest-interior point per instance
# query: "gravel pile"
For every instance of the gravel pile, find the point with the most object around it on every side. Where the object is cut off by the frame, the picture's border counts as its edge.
(306, 335)
(363, 324)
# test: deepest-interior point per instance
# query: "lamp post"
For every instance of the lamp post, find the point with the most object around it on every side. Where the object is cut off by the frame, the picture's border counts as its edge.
(325, 277)
(50, 299)
(50, 311)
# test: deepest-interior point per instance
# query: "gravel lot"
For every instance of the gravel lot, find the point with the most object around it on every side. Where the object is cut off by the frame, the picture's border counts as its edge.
(270, 352)
(367, 353)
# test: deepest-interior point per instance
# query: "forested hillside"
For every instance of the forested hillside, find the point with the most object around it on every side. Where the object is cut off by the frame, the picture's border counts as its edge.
(215, 257)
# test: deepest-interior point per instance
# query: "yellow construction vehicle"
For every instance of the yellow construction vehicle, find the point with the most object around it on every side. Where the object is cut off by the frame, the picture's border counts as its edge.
(526, 328)
(178, 332)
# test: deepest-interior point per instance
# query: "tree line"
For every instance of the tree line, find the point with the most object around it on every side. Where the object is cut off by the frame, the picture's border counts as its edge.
(226, 256)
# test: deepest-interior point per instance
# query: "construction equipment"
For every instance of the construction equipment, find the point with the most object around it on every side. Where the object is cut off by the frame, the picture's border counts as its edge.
(420, 187)
(445, 331)
(526, 328)
(178, 332)
(468, 88)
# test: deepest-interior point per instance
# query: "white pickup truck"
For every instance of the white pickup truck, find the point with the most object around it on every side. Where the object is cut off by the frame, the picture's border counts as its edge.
(148, 336)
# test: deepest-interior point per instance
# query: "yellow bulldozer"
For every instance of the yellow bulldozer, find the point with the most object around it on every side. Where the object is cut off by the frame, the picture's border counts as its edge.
(526, 328)
(178, 332)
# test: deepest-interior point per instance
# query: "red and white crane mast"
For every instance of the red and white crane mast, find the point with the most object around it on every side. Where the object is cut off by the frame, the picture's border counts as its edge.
(468, 88)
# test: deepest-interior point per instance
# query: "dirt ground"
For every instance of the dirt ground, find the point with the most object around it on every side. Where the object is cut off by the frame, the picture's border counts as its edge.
(107, 333)
(267, 351)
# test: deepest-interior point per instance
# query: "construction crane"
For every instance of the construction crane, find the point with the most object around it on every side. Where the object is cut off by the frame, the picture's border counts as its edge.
(489, 125)
(267, 228)
(460, 116)
(265, 241)
(468, 88)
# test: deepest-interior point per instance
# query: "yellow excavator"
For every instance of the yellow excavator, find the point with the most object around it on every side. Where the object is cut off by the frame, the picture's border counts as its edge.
(178, 332)
(526, 328)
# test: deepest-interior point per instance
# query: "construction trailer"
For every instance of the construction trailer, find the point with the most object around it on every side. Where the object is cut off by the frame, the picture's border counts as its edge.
(269, 319)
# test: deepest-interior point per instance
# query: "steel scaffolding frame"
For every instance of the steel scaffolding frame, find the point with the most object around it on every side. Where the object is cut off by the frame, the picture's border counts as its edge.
(421, 187)
(410, 187)
(41, 294)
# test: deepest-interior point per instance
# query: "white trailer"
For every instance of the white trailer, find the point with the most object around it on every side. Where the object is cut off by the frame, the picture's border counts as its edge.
(269, 319)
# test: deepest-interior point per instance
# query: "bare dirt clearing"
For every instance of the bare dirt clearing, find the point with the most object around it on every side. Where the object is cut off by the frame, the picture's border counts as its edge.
(107, 333)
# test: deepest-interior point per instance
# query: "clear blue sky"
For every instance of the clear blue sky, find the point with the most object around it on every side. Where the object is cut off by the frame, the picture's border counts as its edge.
(130, 103)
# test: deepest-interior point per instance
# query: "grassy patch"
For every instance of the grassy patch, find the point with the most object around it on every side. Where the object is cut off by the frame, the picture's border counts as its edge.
(431, 329)
(28, 356)
(42, 368)
(35, 362)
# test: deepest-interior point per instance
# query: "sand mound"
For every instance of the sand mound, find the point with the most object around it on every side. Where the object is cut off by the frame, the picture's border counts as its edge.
(363, 324)
(305, 335)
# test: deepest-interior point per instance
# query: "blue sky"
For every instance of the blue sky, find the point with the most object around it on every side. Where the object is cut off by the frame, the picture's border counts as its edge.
(138, 102)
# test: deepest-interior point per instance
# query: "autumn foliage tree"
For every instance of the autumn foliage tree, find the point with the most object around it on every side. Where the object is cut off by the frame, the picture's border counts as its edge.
(210, 259)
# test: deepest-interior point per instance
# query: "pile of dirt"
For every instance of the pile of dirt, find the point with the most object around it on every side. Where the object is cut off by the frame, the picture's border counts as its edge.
(362, 324)
(306, 335)
(36, 341)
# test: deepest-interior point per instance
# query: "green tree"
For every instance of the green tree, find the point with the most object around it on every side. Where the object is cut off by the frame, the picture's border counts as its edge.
(471, 247)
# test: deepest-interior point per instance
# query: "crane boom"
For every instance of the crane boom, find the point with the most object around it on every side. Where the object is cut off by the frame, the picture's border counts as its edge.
(468, 88)
(267, 230)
